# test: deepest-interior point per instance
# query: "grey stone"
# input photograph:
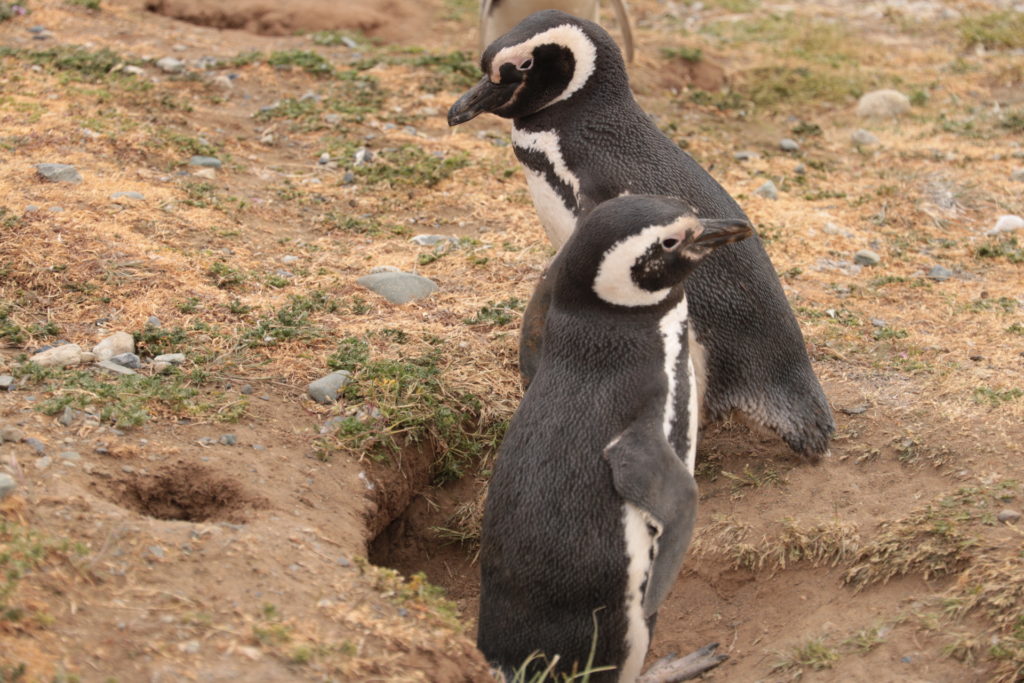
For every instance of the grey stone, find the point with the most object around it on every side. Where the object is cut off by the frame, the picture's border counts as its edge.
(289, 259)
(1007, 223)
(160, 367)
(59, 356)
(228, 439)
(36, 445)
(767, 190)
(127, 469)
(133, 70)
(128, 360)
(398, 288)
(59, 173)
(259, 447)
(863, 138)
(432, 240)
(883, 104)
(69, 455)
(866, 257)
(153, 321)
(940, 273)
(43, 462)
(363, 156)
(799, 169)
(205, 162)
(246, 389)
(325, 390)
(174, 358)
(56, 209)
(348, 178)
(157, 552)
(127, 195)
(11, 434)
(878, 322)
(67, 418)
(6, 383)
(385, 269)
(114, 345)
(789, 145)
(115, 368)
(208, 173)
(1008, 516)
(7, 485)
(833, 229)
(744, 155)
(206, 441)
(170, 65)
(1017, 174)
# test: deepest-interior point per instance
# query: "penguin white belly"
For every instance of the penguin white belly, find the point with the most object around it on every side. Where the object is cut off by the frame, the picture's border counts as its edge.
(556, 218)
(556, 206)
(640, 551)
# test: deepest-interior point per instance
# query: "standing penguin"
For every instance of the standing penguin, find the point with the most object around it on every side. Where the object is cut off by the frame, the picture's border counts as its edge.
(583, 139)
(590, 508)
(498, 16)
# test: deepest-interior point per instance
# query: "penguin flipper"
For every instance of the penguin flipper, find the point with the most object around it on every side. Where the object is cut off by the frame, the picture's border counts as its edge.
(647, 473)
(672, 669)
(531, 335)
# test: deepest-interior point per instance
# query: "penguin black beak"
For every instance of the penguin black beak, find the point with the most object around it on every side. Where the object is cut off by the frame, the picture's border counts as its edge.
(483, 97)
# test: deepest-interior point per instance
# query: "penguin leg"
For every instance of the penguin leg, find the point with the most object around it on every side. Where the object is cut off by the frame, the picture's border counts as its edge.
(531, 336)
(671, 669)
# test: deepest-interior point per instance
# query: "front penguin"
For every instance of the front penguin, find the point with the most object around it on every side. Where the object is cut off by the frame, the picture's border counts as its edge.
(582, 140)
(591, 506)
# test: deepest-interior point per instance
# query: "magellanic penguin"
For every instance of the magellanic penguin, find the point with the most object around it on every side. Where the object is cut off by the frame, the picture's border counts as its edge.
(498, 16)
(583, 139)
(590, 507)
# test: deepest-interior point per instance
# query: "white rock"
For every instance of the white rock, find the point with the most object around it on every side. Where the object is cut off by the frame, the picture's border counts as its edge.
(208, 173)
(59, 356)
(114, 345)
(882, 104)
(1007, 223)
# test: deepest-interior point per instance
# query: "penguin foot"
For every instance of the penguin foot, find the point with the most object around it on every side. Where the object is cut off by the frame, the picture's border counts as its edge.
(670, 669)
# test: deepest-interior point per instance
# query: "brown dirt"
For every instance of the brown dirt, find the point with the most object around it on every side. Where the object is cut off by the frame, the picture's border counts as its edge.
(197, 560)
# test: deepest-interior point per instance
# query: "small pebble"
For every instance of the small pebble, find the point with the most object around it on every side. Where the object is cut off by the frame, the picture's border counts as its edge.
(127, 469)
(878, 322)
(863, 138)
(398, 288)
(43, 462)
(855, 410)
(170, 65)
(883, 104)
(205, 162)
(1007, 223)
(208, 173)
(259, 447)
(161, 367)
(128, 360)
(11, 434)
(59, 173)
(866, 257)
(133, 70)
(940, 273)
(7, 485)
(153, 321)
(174, 358)
(7, 383)
(432, 240)
(115, 368)
(228, 439)
(789, 145)
(35, 444)
(799, 169)
(246, 389)
(67, 418)
(744, 155)
(127, 195)
(1008, 516)
(157, 552)
(1017, 174)
(69, 455)
(767, 190)
(326, 389)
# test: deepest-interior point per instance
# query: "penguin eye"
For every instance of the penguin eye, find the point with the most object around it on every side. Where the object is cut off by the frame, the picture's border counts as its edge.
(525, 65)
(669, 244)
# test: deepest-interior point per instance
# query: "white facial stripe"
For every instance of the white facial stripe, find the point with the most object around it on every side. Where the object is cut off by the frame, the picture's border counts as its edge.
(614, 282)
(639, 547)
(671, 328)
(566, 35)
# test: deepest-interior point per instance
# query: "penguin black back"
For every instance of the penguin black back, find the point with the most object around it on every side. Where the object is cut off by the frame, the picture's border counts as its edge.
(590, 508)
(582, 140)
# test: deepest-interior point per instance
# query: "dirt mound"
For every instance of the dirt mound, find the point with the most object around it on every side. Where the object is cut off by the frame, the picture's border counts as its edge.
(389, 20)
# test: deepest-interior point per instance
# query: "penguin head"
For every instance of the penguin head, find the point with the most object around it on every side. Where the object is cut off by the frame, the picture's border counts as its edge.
(547, 58)
(635, 251)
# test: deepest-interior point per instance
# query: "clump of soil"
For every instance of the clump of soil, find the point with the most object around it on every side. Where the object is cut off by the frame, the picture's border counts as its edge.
(187, 492)
(389, 20)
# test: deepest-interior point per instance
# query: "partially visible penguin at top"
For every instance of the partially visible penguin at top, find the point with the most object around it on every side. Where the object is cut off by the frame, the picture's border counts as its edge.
(583, 139)
(498, 16)
(592, 501)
